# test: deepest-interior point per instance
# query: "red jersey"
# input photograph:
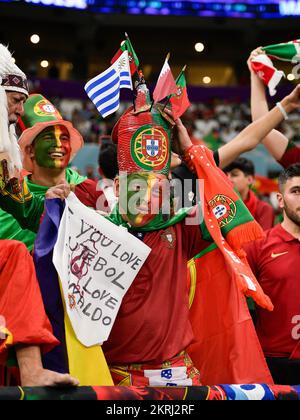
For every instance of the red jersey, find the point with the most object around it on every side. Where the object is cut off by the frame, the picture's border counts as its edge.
(275, 262)
(291, 155)
(153, 322)
(262, 212)
(22, 311)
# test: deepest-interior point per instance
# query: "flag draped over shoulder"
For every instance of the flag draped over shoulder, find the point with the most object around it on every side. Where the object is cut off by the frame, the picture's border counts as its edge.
(226, 348)
(133, 58)
(166, 84)
(264, 67)
(86, 364)
(180, 101)
(104, 89)
(228, 222)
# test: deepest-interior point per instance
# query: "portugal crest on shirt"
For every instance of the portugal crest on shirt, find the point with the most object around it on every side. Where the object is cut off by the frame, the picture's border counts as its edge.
(149, 148)
(169, 237)
(224, 208)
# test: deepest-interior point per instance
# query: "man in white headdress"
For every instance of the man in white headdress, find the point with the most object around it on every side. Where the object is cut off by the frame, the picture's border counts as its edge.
(23, 321)
(13, 94)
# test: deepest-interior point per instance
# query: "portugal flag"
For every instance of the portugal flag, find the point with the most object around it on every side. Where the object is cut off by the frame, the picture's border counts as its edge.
(180, 101)
(133, 59)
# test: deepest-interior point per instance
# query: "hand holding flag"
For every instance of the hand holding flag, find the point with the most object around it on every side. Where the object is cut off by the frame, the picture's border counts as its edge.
(263, 66)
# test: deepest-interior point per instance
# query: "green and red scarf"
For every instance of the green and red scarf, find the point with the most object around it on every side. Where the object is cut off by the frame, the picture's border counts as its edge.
(264, 67)
(226, 348)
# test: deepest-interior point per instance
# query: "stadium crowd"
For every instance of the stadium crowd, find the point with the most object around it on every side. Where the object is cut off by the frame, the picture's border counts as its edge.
(236, 248)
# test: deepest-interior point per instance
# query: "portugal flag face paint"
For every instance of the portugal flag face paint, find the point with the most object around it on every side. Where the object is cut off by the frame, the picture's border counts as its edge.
(141, 197)
(52, 147)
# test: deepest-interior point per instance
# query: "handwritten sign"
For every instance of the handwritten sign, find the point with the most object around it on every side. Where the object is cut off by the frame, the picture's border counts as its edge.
(97, 262)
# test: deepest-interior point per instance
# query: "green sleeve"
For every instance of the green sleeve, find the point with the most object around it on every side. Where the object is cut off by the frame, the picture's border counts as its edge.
(25, 207)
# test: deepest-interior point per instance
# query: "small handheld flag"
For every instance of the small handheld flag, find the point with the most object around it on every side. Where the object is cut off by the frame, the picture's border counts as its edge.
(166, 84)
(104, 89)
(180, 101)
(133, 58)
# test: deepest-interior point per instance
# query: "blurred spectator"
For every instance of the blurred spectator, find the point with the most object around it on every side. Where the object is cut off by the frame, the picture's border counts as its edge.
(90, 174)
(227, 118)
(108, 170)
(241, 172)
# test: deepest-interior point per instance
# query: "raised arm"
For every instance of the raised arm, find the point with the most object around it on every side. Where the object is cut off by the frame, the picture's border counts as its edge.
(252, 134)
(275, 142)
(260, 128)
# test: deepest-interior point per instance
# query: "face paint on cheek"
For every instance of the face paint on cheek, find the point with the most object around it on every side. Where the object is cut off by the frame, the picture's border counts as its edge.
(136, 199)
(49, 151)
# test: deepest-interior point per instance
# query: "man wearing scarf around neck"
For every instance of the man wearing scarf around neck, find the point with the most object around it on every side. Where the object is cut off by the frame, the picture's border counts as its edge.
(154, 328)
(48, 143)
(24, 325)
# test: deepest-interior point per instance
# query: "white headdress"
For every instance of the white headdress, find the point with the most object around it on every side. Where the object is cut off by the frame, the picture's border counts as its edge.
(12, 79)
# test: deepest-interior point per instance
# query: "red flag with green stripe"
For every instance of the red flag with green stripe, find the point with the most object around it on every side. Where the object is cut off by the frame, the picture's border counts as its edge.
(133, 58)
(180, 101)
(267, 71)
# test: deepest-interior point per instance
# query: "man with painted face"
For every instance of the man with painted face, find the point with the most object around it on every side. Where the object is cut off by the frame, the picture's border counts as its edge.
(24, 325)
(48, 143)
(151, 339)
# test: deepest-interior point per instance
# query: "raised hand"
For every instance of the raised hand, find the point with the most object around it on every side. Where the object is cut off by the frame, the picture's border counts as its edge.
(253, 55)
(59, 191)
(292, 101)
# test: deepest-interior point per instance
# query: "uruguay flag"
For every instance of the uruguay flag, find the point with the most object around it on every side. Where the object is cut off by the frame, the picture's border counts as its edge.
(104, 89)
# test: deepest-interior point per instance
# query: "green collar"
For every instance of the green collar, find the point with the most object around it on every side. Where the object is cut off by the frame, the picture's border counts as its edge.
(72, 177)
(157, 223)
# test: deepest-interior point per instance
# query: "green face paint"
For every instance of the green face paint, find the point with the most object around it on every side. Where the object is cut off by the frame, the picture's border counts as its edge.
(141, 197)
(52, 147)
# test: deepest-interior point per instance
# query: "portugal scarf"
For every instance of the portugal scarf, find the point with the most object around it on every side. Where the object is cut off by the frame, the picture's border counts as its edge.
(264, 67)
(226, 348)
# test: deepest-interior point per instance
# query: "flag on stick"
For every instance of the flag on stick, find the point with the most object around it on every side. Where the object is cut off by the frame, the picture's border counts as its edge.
(104, 90)
(180, 101)
(133, 58)
(166, 84)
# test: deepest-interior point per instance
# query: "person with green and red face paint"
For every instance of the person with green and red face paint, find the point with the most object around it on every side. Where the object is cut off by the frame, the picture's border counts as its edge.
(48, 143)
(151, 339)
(24, 325)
